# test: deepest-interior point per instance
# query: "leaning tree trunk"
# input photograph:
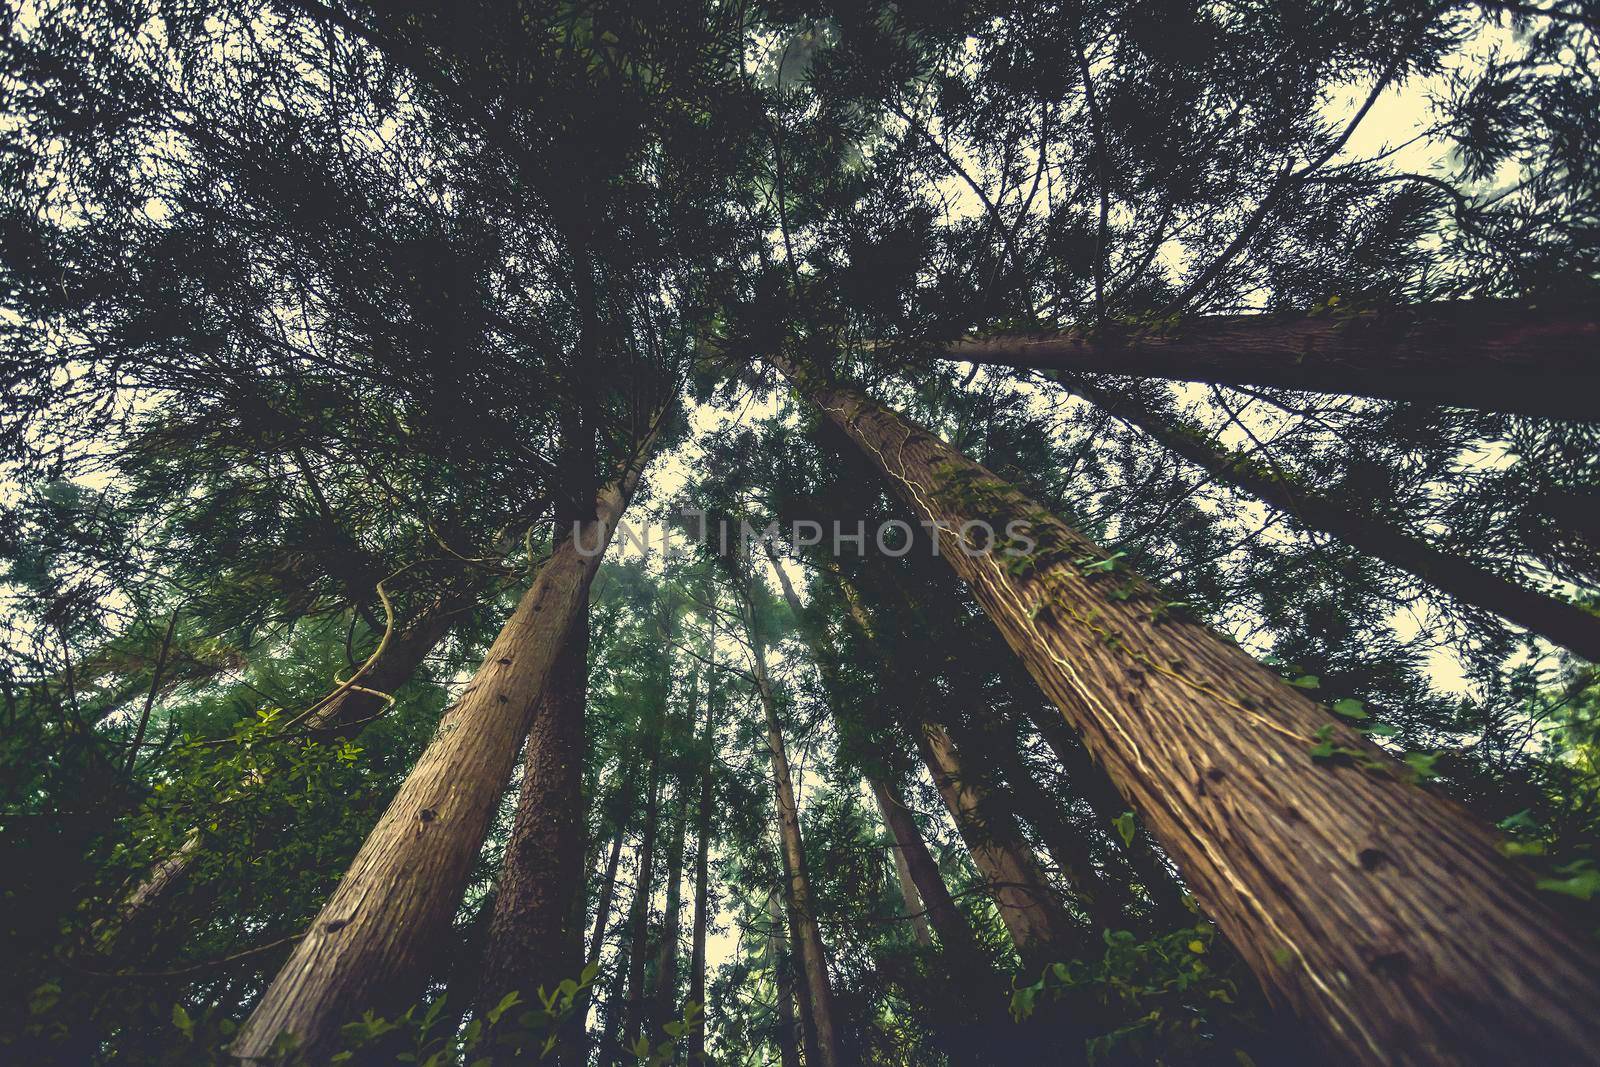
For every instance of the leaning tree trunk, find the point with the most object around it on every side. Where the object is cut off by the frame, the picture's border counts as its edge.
(813, 957)
(1565, 624)
(1039, 927)
(955, 933)
(1383, 913)
(535, 935)
(369, 948)
(916, 911)
(1496, 355)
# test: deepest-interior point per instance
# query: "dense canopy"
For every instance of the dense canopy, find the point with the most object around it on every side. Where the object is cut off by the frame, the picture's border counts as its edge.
(830, 534)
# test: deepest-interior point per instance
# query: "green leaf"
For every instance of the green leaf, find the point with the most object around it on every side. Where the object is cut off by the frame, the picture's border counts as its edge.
(1125, 828)
(1421, 763)
(1305, 681)
(507, 1002)
(1350, 709)
(180, 1019)
(1583, 885)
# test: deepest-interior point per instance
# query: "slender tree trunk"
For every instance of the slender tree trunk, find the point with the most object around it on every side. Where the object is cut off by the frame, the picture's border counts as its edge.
(616, 1007)
(644, 886)
(914, 863)
(916, 912)
(1496, 355)
(702, 857)
(1565, 624)
(1383, 913)
(370, 946)
(597, 940)
(666, 992)
(1035, 920)
(813, 957)
(788, 1047)
(535, 936)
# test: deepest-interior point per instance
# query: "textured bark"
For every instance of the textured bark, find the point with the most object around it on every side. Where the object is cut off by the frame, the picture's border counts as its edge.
(1090, 782)
(1038, 926)
(536, 933)
(369, 948)
(813, 957)
(1381, 912)
(1496, 355)
(783, 982)
(1563, 623)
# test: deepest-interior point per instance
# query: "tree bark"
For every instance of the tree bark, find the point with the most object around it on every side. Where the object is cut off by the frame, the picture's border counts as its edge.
(1565, 624)
(783, 983)
(1090, 782)
(813, 957)
(535, 935)
(341, 715)
(955, 933)
(1381, 912)
(1495, 355)
(916, 912)
(370, 946)
(1038, 926)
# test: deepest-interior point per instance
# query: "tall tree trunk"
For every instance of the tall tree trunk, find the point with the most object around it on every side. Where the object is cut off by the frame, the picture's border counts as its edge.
(813, 957)
(370, 946)
(536, 934)
(702, 855)
(917, 863)
(643, 887)
(597, 940)
(1383, 913)
(666, 991)
(916, 911)
(1039, 929)
(1565, 624)
(616, 1007)
(1033, 917)
(783, 983)
(1491, 354)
